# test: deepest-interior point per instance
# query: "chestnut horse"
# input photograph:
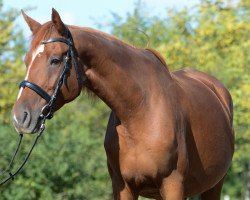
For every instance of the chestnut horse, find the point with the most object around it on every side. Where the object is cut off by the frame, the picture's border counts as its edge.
(169, 135)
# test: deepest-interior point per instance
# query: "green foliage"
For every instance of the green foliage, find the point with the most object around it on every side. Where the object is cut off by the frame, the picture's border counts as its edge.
(69, 161)
(11, 49)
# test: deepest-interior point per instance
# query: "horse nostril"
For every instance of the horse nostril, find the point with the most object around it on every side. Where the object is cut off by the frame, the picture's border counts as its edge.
(26, 119)
(24, 116)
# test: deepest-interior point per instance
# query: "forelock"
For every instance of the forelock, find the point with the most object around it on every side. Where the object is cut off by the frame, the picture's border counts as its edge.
(42, 34)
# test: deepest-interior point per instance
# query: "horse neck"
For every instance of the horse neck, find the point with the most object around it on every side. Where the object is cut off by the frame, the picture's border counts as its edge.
(116, 72)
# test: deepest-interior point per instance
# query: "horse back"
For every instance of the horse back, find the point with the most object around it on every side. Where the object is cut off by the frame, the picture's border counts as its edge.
(214, 85)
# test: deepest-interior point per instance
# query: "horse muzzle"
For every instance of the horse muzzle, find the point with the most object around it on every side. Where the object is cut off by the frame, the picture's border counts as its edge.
(26, 120)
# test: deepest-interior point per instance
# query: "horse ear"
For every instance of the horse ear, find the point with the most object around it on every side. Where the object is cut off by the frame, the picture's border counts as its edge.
(34, 25)
(59, 25)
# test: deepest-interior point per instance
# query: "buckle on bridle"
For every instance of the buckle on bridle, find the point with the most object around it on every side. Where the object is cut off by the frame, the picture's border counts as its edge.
(46, 112)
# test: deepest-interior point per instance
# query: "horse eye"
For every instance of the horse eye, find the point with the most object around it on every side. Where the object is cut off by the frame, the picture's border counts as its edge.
(55, 61)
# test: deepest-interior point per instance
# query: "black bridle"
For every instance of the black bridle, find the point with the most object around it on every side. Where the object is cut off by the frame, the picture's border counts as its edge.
(48, 109)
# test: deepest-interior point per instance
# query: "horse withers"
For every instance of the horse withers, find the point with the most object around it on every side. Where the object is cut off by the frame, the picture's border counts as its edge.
(169, 135)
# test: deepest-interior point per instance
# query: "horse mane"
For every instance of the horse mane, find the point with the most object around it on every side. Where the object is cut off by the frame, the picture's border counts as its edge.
(157, 55)
(46, 30)
(108, 36)
(41, 34)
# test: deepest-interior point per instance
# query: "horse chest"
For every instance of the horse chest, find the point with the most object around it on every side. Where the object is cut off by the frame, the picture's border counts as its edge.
(136, 165)
(139, 162)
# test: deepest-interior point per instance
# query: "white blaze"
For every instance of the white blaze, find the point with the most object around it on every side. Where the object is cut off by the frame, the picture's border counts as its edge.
(15, 119)
(36, 53)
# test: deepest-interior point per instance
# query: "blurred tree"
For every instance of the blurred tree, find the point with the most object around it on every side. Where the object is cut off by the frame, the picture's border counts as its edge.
(12, 47)
(69, 163)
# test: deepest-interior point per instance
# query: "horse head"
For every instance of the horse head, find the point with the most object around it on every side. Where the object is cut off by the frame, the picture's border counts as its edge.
(52, 76)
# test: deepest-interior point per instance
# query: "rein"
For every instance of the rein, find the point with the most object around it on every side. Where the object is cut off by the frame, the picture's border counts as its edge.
(8, 170)
(47, 111)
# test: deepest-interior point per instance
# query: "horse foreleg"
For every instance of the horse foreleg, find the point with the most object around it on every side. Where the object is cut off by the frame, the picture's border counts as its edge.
(172, 187)
(213, 193)
(121, 191)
